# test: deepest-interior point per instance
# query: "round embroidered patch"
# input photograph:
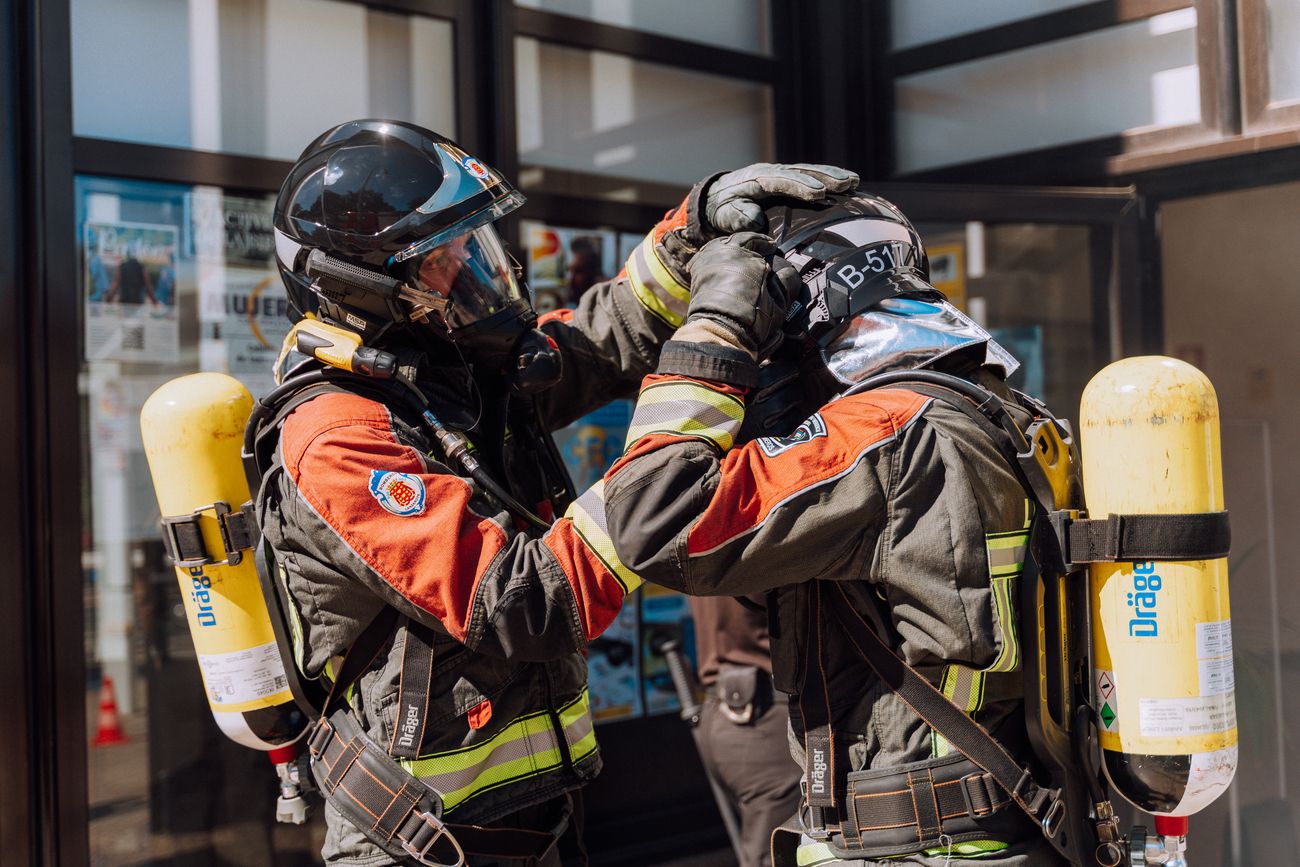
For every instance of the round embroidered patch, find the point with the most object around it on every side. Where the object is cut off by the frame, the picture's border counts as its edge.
(399, 493)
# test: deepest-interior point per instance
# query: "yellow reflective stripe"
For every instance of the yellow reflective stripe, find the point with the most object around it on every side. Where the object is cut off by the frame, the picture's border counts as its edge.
(969, 849)
(295, 625)
(685, 408)
(588, 516)
(655, 286)
(527, 747)
(492, 775)
(1009, 658)
(964, 687)
(1006, 556)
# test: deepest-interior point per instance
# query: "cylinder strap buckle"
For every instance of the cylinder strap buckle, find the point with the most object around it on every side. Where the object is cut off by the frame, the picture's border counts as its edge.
(183, 537)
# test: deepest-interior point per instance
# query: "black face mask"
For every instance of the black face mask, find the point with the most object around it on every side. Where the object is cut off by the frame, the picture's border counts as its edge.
(792, 385)
(508, 343)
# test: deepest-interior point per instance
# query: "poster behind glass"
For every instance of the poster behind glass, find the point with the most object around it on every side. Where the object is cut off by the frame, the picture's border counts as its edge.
(174, 279)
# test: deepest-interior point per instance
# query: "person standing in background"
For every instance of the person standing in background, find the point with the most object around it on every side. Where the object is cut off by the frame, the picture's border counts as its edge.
(744, 742)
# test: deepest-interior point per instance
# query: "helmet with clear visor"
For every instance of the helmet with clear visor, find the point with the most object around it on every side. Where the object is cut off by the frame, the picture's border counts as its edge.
(865, 306)
(410, 213)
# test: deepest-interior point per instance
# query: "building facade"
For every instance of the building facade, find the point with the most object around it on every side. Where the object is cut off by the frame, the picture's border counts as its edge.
(1092, 179)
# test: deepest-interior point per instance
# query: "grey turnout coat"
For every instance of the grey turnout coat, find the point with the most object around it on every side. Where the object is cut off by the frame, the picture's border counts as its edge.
(901, 501)
(362, 512)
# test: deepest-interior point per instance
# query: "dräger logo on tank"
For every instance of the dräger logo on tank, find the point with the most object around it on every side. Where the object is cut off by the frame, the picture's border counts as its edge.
(399, 493)
(1145, 622)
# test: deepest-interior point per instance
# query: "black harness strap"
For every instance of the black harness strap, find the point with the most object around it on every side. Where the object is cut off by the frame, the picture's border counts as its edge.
(966, 735)
(1196, 536)
(413, 692)
(815, 706)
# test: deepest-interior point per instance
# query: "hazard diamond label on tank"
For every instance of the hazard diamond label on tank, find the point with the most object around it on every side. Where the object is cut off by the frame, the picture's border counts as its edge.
(1108, 717)
(1105, 684)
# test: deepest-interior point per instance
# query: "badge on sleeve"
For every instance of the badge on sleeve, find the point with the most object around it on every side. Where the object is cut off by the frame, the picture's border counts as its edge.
(811, 429)
(399, 493)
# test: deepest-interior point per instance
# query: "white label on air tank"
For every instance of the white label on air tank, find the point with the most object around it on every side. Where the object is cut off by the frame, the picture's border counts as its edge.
(245, 675)
(1216, 675)
(1182, 717)
(1207, 779)
(1214, 638)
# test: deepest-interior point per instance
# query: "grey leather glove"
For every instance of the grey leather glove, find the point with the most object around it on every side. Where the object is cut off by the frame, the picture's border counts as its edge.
(659, 268)
(738, 300)
(735, 200)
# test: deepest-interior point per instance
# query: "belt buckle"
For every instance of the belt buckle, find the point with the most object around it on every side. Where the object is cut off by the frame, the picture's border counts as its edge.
(987, 787)
(421, 853)
(811, 819)
(741, 717)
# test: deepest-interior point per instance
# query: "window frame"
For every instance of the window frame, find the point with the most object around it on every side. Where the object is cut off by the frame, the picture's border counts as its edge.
(1260, 113)
(1103, 156)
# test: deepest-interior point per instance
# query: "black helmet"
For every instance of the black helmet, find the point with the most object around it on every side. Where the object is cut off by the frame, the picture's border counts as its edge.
(866, 306)
(381, 223)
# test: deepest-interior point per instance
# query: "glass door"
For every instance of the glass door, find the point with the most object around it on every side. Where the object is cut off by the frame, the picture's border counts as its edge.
(1053, 273)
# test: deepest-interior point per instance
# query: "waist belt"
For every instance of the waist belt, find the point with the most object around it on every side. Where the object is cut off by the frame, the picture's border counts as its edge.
(920, 806)
(394, 809)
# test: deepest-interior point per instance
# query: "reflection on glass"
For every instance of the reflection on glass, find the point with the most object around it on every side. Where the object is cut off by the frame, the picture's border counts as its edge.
(564, 263)
(916, 22)
(1283, 18)
(1030, 285)
(738, 24)
(610, 115)
(257, 77)
(1138, 75)
(173, 280)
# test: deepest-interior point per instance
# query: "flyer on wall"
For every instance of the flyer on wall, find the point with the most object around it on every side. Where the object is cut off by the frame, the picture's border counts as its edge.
(591, 444)
(243, 308)
(665, 614)
(613, 669)
(564, 263)
(244, 321)
(130, 280)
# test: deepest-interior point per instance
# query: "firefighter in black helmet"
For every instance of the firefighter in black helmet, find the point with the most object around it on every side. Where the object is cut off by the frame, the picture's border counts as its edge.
(437, 578)
(859, 511)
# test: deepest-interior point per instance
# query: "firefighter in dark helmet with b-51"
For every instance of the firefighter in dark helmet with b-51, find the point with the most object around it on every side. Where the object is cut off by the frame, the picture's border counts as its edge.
(438, 579)
(884, 524)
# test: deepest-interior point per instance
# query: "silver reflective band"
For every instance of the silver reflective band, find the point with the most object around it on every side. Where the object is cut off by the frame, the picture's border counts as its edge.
(286, 250)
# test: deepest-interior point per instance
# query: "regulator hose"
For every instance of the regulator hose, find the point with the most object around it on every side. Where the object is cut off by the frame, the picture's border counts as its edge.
(453, 443)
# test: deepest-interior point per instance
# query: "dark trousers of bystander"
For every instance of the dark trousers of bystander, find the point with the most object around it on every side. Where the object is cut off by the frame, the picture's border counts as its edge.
(753, 765)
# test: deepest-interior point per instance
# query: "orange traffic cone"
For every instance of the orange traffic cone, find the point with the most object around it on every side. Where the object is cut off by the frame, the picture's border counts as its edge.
(109, 731)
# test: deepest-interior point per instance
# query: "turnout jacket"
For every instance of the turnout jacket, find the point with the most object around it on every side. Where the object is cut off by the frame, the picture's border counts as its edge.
(898, 498)
(362, 511)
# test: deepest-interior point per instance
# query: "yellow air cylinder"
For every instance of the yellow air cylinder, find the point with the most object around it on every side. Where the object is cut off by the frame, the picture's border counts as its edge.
(1162, 634)
(193, 428)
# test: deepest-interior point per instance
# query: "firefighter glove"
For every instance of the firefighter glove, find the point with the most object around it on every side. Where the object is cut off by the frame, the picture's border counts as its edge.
(736, 200)
(659, 268)
(741, 288)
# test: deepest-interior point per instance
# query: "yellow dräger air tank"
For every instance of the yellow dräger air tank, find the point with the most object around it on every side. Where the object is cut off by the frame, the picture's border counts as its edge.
(1163, 679)
(193, 428)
